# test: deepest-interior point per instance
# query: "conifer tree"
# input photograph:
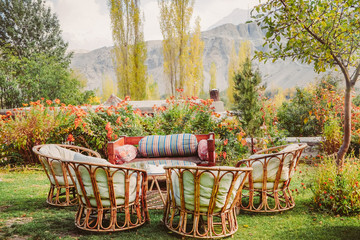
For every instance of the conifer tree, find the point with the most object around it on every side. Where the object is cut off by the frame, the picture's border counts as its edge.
(247, 103)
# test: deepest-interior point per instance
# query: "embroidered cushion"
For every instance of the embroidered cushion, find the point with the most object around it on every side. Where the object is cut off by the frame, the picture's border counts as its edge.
(169, 145)
(125, 153)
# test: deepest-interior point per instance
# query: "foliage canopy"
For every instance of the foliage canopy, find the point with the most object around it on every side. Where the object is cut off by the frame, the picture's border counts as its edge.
(322, 32)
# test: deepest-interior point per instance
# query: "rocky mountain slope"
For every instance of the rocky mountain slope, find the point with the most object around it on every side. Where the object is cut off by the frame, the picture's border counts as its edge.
(236, 17)
(98, 64)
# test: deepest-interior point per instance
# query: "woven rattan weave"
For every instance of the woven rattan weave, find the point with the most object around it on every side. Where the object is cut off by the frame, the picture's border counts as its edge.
(212, 220)
(270, 195)
(60, 194)
(101, 207)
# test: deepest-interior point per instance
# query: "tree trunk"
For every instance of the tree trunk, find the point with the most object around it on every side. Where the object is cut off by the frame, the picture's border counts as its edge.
(347, 128)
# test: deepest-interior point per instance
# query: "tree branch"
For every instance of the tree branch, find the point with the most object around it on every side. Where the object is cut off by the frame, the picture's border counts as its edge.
(355, 76)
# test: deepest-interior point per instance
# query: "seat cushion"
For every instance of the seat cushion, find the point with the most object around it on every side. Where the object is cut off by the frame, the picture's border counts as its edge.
(55, 151)
(103, 186)
(168, 145)
(272, 167)
(206, 188)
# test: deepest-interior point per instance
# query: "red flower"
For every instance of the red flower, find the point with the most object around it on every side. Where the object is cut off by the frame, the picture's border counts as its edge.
(70, 138)
(331, 197)
(226, 142)
(224, 154)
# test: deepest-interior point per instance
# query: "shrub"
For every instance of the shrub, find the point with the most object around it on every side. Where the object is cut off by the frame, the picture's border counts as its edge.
(335, 192)
(332, 136)
(294, 115)
(24, 128)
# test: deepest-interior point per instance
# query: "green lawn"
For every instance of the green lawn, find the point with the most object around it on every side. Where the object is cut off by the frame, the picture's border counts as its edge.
(24, 214)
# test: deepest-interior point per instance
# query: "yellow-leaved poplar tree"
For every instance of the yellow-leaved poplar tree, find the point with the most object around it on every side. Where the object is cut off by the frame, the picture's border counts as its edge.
(175, 18)
(195, 79)
(152, 89)
(235, 63)
(108, 87)
(212, 76)
(129, 48)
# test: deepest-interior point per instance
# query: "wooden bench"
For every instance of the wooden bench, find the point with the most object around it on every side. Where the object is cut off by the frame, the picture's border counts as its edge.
(124, 140)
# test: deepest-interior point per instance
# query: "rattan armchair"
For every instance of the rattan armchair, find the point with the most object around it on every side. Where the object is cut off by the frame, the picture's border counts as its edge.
(201, 200)
(111, 198)
(62, 189)
(267, 187)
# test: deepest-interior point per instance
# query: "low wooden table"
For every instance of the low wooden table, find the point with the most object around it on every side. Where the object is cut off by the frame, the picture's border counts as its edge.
(155, 170)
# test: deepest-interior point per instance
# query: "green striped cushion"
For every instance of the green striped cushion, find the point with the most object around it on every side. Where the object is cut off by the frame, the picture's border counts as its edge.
(168, 146)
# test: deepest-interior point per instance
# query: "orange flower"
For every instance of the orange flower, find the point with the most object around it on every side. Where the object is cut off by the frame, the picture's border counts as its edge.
(57, 101)
(70, 138)
(126, 119)
(224, 154)
(49, 102)
(118, 119)
(226, 142)
(108, 126)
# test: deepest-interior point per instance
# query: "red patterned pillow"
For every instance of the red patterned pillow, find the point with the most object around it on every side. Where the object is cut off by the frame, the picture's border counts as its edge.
(125, 153)
(203, 150)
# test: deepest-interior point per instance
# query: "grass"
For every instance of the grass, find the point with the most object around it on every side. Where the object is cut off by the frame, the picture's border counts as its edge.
(24, 214)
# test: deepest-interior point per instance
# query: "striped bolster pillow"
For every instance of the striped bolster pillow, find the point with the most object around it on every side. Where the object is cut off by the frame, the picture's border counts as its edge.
(168, 146)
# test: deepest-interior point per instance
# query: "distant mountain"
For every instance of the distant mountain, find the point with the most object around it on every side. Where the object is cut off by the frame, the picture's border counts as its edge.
(236, 17)
(97, 64)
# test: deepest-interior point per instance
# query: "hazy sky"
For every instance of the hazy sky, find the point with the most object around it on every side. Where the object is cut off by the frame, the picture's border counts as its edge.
(86, 23)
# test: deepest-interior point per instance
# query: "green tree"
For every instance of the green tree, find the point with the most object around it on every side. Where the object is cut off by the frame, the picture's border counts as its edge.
(33, 61)
(39, 76)
(28, 27)
(129, 48)
(247, 104)
(324, 33)
(294, 115)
